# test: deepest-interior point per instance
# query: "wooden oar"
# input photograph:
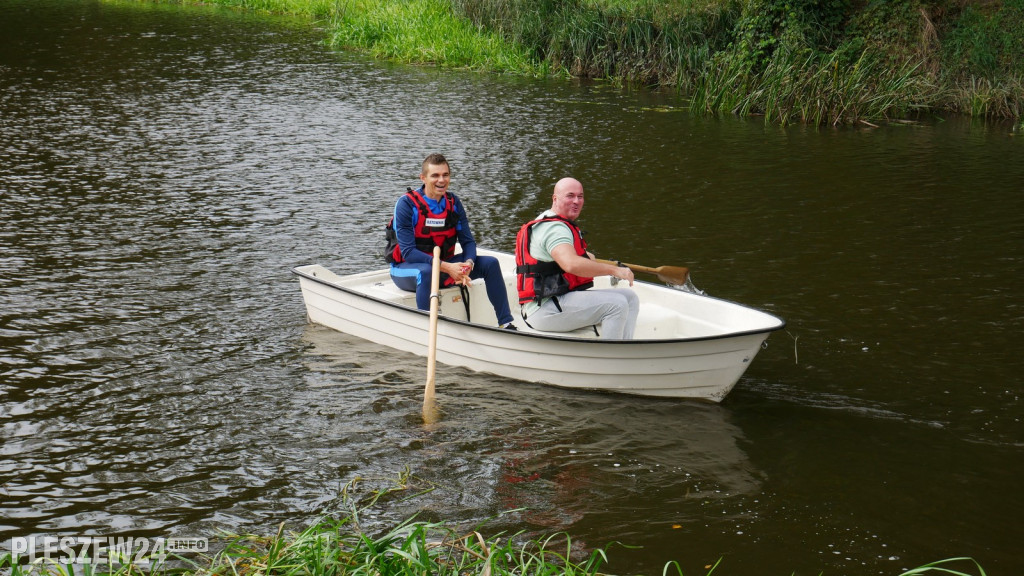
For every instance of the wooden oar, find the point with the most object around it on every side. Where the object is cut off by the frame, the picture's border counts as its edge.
(435, 297)
(669, 274)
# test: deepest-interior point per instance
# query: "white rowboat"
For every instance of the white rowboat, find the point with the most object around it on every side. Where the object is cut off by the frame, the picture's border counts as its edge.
(686, 345)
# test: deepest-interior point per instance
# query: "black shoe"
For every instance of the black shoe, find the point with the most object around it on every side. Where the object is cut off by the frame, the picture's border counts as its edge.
(511, 326)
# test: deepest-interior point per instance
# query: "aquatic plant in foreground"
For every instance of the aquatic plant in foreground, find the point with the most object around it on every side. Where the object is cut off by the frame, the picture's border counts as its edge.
(341, 544)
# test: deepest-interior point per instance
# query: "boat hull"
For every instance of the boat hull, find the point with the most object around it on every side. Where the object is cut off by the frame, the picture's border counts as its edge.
(705, 367)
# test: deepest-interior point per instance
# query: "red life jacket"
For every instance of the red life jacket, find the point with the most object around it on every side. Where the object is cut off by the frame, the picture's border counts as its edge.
(430, 229)
(535, 279)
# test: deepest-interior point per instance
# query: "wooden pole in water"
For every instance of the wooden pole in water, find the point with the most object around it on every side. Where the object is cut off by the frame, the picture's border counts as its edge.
(435, 297)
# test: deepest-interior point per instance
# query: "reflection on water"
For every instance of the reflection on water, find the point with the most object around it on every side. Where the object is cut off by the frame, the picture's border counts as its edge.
(157, 374)
(557, 454)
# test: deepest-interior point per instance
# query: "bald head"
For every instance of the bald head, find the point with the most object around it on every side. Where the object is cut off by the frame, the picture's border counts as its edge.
(567, 199)
(566, 184)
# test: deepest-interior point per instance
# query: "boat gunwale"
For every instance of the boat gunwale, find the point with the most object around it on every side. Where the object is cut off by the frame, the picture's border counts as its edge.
(549, 335)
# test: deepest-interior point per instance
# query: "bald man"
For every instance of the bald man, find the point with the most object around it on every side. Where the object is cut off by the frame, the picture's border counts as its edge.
(555, 274)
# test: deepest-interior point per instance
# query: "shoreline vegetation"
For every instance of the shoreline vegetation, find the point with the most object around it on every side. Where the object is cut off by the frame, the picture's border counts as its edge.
(820, 62)
(352, 539)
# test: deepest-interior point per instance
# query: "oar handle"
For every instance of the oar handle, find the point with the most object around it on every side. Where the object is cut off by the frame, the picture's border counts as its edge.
(635, 267)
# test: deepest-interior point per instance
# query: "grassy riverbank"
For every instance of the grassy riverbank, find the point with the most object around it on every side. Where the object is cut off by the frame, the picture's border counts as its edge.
(342, 543)
(814, 61)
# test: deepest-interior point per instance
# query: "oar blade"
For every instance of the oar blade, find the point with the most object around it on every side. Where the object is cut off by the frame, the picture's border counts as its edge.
(676, 275)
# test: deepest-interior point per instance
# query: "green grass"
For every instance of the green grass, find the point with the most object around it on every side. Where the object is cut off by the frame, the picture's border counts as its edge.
(944, 567)
(312, 8)
(425, 31)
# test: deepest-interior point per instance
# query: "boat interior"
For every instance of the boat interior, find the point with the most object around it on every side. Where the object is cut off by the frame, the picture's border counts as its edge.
(471, 304)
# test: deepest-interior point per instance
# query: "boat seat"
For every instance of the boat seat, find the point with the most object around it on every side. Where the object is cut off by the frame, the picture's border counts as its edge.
(387, 290)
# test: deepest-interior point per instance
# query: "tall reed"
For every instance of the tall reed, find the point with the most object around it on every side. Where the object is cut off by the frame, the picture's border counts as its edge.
(982, 97)
(813, 88)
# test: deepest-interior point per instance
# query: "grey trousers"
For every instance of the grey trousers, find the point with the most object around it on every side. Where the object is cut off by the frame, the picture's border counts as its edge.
(614, 309)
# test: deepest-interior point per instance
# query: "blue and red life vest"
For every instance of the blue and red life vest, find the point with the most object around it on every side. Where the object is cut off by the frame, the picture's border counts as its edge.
(535, 279)
(431, 229)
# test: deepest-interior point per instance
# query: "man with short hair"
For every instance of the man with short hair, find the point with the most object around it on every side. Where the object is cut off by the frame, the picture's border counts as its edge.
(555, 274)
(432, 216)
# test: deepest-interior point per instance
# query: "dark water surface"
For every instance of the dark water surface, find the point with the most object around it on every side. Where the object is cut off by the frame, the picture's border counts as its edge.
(163, 168)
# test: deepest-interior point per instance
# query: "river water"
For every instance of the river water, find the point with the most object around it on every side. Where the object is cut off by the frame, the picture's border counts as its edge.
(163, 168)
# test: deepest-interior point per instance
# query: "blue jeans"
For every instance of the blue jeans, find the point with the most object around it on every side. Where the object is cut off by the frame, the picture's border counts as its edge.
(416, 278)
